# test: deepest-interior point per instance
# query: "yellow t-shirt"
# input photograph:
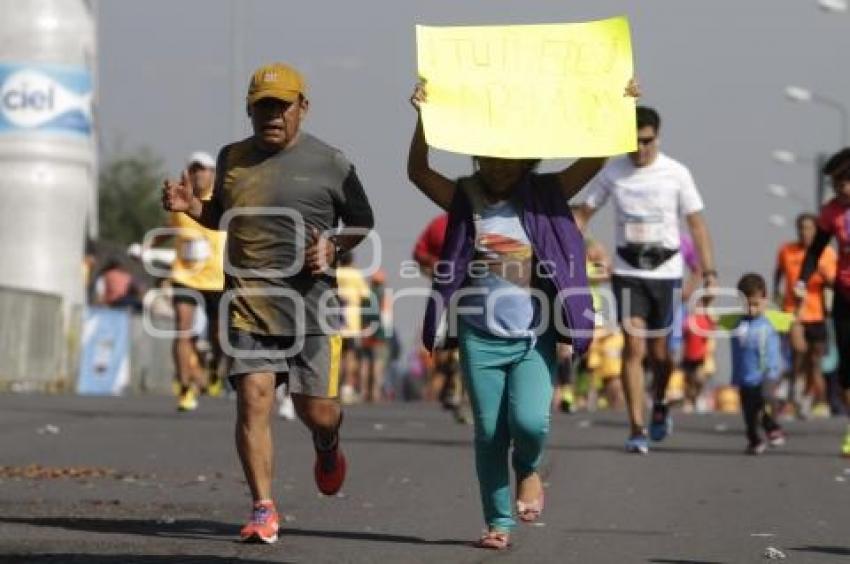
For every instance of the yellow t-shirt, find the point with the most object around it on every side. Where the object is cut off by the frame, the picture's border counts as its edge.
(352, 288)
(612, 355)
(199, 262)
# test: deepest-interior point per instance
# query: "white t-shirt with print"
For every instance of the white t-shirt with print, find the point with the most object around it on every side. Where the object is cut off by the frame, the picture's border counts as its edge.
(649, 203)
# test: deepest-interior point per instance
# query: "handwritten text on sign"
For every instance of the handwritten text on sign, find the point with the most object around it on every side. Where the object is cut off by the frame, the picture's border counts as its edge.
(528, 91)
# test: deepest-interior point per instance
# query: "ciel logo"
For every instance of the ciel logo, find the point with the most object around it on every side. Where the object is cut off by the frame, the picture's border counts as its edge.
(29, 98)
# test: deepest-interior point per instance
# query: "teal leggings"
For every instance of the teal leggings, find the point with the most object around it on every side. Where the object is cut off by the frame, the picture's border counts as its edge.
(510, 386)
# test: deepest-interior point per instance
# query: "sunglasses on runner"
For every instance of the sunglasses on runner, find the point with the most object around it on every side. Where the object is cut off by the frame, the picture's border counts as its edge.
(646, 140)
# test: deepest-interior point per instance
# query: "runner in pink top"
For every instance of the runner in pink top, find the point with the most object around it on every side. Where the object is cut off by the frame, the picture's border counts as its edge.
(834, 221)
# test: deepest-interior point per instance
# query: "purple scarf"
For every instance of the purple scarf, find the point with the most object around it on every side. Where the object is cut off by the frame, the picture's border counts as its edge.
(554, 237)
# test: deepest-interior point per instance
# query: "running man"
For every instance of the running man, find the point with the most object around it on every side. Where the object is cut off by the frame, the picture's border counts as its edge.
(808, 334)
(290, 176)
(834, 221)
(376, 322)
(651, 193)
(353, 289)
(429, 244)
(198, 267)
(576, 375)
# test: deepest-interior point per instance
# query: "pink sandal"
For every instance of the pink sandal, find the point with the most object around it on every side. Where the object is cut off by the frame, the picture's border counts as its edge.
(529, 512)
(495, 540)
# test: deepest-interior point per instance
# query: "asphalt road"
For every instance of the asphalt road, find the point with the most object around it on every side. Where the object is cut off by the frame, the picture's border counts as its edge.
(155, 486)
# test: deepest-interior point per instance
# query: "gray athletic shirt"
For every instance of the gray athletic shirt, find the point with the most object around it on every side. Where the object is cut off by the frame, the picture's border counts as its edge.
(310, 180)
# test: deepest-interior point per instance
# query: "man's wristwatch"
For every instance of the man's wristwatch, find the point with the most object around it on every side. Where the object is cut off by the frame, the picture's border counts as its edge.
(338, 250)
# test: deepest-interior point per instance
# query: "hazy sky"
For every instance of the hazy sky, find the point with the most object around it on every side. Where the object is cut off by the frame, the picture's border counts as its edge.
(173, 77)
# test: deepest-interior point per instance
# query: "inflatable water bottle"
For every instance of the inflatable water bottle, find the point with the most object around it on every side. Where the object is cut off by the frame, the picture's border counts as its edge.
(48, 183)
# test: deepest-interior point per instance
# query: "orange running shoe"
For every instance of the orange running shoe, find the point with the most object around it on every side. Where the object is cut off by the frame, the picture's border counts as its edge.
(263, 526)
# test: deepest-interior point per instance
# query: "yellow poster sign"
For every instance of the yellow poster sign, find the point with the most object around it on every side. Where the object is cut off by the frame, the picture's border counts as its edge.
(528, 91)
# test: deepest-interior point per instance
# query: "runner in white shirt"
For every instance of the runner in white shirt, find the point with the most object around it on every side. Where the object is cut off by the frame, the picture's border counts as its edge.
(651, 194)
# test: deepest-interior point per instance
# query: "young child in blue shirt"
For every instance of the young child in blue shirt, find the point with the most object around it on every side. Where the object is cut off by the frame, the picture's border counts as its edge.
(756, 364)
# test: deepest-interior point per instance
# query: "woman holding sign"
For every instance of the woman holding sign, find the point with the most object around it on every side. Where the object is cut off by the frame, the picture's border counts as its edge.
(513, 285)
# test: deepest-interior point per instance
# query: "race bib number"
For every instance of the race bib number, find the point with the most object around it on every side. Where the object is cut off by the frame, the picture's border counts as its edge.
(195, 250)
(644, 230)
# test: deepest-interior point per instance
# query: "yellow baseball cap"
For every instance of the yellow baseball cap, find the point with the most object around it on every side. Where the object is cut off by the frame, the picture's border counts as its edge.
(278, 81)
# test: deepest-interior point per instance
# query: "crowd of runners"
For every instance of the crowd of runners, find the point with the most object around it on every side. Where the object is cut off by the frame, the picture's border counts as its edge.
(527, 311)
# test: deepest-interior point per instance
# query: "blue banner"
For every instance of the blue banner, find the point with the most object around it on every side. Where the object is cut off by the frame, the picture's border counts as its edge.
(40, 97)
(105, 358)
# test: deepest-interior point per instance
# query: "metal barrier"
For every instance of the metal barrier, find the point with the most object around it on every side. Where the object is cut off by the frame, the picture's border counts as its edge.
(37, 347)
(151, 364)
(40, 350)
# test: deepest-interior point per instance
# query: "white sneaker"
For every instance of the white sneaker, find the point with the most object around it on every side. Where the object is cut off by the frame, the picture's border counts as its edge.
(286, 409)
(348, 396)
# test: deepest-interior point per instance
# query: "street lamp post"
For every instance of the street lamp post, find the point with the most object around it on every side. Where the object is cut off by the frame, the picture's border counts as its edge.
(833, 5)
(789, 157)
(783, 193)
(777, 220)
(820, 179)
(804, 95)
(783, 156)
(800, 94)
(237, 112)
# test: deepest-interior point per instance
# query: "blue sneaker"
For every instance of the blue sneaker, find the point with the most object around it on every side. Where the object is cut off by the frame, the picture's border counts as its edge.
(638, 444)
(661, 424)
